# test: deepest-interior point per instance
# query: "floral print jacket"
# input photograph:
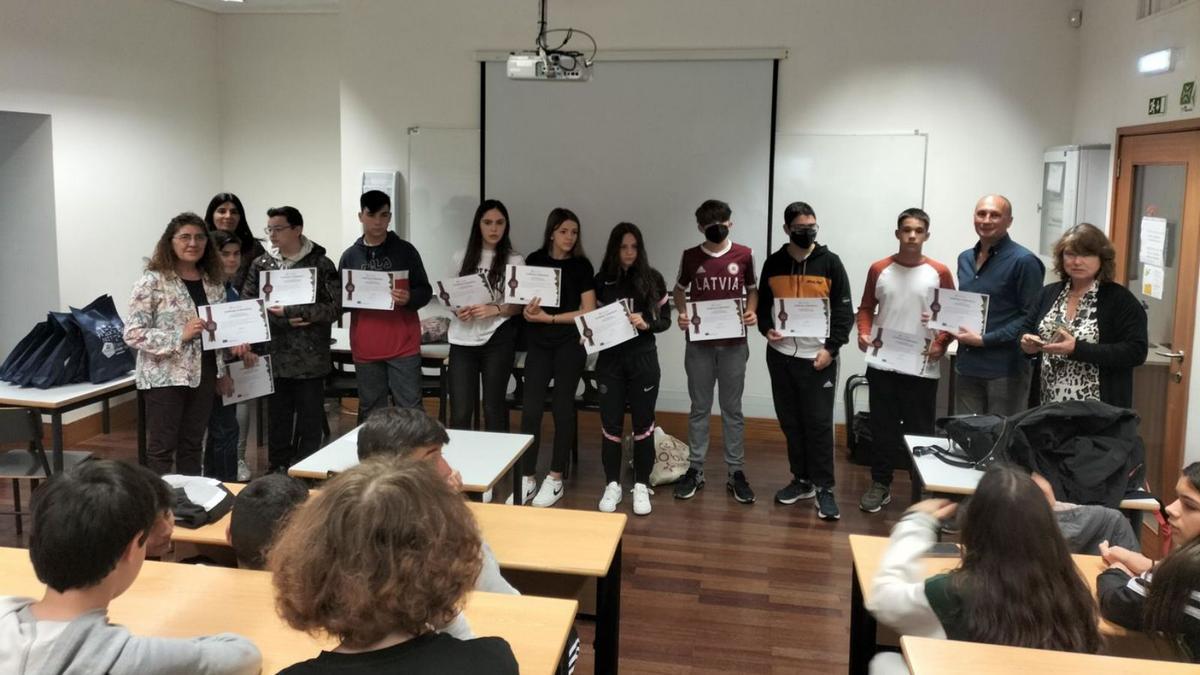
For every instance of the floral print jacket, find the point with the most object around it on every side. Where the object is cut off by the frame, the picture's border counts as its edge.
(159, 307)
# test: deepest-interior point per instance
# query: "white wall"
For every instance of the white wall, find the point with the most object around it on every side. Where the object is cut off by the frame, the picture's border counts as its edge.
(993, 83)
(131, 88)
(1112, 94)
(28, 263)
(278, 98)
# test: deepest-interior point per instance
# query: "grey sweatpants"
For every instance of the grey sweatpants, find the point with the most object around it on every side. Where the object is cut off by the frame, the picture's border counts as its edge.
(723, 366)
(1005, 396)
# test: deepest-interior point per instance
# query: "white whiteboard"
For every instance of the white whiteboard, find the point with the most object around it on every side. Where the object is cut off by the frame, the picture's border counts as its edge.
(443, 192)
(857, 185)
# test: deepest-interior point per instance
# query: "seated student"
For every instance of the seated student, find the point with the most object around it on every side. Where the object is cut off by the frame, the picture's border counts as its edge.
(159, 542)
(1016, 586)
(411, 433)
(1086, 526)
(91, 526)
(1164, 599)
(382, 553)
(259, 511)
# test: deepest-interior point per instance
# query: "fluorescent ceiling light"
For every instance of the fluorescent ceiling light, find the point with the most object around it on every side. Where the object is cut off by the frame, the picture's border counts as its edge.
(1156, 62)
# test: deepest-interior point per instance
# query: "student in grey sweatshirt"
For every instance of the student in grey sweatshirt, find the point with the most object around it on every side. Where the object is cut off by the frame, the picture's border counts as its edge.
(91, 527)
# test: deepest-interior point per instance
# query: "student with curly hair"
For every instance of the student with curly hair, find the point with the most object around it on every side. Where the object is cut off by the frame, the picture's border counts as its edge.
(378, 560)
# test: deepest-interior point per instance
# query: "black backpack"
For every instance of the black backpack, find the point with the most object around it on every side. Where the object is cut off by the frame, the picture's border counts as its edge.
(976, 441)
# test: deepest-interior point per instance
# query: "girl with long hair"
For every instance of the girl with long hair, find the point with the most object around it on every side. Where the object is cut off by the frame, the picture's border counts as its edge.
(628, 373)
(1162, 599)
(176, 377)
(1016, 586)
(554, 352)
(225, 213)
(482, 339)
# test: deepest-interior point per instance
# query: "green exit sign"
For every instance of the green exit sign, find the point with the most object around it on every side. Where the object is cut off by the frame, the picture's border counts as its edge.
(1158, 106)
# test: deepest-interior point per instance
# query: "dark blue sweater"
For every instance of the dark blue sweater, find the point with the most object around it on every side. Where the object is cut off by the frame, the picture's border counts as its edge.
(1012, 278)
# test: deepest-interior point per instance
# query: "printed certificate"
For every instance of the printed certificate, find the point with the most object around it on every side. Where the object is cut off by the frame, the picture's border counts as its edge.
(472, 289)
(229, 324)
(605, 327)
(523, 283)
(802, 317)
(249, 382)
(296, 286)
(716, 319)
(950, 310)
(367, 289)
(901, 352)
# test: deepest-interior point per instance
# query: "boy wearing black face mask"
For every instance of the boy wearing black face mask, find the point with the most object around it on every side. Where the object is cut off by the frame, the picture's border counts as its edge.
(804, 373)
(717, 269)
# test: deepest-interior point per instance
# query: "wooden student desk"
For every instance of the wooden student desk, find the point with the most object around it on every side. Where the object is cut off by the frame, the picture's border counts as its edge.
(171, 600)
(927, 656)
(866, 553)
(547, 541)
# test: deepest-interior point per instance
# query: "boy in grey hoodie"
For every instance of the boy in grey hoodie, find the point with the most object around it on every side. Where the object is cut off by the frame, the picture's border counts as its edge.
(91, 527)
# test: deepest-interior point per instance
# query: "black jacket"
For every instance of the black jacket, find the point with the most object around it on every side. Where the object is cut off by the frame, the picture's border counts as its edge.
(1089, 451)
(657, 315)
(1122, 347)
(820, 275)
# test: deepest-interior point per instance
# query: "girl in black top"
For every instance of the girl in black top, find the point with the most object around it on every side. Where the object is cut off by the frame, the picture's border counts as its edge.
(225, 213)
(1161, 598)
(628, 373)
(554, 351)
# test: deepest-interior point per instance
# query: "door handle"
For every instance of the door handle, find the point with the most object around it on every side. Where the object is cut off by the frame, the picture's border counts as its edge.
(1180, 355)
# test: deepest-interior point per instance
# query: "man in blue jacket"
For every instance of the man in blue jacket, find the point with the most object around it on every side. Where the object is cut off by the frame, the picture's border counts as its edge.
(993, 375)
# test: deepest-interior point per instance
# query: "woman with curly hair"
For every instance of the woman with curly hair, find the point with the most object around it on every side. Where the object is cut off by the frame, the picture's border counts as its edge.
(380, 559)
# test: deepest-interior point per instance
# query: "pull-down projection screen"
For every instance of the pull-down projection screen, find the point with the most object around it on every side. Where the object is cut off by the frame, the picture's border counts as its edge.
(644, 142)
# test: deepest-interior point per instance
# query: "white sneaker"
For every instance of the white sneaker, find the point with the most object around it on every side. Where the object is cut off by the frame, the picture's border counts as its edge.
(243, 471)
(551, 492)
(528, 487)
(612, 497)
(641, 499)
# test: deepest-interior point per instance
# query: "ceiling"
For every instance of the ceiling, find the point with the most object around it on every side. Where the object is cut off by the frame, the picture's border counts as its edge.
(267, 6)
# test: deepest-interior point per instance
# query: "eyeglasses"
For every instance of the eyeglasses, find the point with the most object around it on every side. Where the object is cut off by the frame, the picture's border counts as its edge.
(196, 238)
(277, 228)
(1078, 256)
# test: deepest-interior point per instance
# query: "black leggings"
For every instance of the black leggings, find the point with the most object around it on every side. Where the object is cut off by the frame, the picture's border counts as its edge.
(494, 360)
(564, 364)
(634, 379)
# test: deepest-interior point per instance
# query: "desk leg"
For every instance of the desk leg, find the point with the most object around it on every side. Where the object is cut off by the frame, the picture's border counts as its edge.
(1135, 522)
(105, 422)
(914, 477)
(951, 388)
(141, 428)
(56, 440)
(608, 618)
(862, 629)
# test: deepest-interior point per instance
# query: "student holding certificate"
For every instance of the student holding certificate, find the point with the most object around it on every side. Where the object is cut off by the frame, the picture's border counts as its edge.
(554, 352)
(628, 373)
(176, 377)
(386, 343)
(804, 370)
(716, 269)
(482, 338)
(894, 298)
(299, 345)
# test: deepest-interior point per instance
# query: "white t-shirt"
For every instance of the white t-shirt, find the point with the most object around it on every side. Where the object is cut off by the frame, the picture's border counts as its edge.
(478, 331)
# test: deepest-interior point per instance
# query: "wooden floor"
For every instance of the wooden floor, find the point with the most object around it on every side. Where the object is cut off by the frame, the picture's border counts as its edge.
(709, 585)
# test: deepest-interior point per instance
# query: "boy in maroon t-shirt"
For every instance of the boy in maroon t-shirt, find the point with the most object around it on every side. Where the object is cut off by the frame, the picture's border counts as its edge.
(717, 269)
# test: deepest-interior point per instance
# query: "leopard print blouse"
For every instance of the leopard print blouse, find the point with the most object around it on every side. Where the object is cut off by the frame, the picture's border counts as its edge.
(1063, 378)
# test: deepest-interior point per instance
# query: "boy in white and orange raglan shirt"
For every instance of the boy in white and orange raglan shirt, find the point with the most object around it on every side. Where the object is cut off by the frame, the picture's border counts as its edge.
(896, 297)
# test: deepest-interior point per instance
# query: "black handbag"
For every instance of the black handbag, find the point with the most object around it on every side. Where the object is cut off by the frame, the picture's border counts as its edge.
(28, 345)
(24, 372)
(65, 363)
(974, 439)
(108, 357)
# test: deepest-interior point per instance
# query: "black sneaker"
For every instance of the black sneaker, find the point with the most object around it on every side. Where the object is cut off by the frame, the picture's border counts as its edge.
(739, 487)
(827, 507)
(686, 487)
(795, 491)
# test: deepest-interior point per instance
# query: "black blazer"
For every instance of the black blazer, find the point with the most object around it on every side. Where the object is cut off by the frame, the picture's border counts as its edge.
(1123, 341)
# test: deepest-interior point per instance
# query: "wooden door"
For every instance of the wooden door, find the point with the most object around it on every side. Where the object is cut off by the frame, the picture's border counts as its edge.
(1157, 188)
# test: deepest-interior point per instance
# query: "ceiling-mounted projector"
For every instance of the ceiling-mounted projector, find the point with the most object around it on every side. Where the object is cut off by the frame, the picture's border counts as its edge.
(552, 64)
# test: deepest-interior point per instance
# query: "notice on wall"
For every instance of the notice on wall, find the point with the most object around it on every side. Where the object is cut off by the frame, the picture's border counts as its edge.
(1054, 177)
(1153, 241)
(1152, 281)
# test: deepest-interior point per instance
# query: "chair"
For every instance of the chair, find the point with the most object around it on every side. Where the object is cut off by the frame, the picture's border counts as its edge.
(24, 425)
(436, 386)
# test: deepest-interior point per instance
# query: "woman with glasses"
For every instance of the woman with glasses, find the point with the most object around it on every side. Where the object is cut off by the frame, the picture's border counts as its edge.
(175, 376)
(1088, 332)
